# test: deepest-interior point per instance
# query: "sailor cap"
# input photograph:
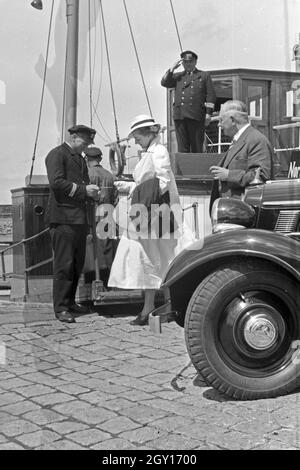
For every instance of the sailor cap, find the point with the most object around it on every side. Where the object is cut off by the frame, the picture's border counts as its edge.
(82, 129)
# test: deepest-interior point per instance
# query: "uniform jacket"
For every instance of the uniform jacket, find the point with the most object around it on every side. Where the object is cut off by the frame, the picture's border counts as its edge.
(192, 91)
(250, 151)
(68, 178)
(105, 180)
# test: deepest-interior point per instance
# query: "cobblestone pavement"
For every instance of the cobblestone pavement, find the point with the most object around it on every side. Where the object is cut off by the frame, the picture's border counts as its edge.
(104, 384)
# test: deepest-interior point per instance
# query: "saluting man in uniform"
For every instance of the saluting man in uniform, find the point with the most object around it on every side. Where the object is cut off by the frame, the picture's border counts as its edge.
(193, 104)
(67, 212)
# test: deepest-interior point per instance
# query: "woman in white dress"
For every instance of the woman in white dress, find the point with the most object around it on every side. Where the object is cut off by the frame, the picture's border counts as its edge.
(140, 263)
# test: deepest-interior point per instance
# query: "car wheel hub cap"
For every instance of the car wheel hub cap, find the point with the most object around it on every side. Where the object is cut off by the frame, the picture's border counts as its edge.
(260, 332)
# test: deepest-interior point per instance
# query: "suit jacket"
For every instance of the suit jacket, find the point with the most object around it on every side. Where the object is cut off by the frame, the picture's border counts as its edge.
(250, 151)
(68, 178)
(192, 91)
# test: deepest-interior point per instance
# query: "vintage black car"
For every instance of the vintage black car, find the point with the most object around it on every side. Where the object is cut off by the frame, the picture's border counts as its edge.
(237, 294)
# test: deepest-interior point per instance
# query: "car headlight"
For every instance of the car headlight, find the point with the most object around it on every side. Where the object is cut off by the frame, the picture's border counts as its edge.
(230, 213)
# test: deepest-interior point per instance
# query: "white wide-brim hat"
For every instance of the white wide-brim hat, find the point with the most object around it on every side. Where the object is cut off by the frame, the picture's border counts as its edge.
(142, 120)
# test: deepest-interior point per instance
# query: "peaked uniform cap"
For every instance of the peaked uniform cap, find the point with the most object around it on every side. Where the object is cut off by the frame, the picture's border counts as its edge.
(142, 120)
(82, 129)
(188, 55)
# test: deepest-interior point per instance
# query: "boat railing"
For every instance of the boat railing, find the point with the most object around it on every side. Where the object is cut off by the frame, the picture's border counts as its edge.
(5, 275)
(292, 125)
(29, 269)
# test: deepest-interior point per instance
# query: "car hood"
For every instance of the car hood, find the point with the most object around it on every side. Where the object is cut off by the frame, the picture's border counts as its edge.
(272, 245)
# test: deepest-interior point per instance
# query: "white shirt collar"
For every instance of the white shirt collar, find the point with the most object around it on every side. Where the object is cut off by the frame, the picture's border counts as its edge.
(240, 132)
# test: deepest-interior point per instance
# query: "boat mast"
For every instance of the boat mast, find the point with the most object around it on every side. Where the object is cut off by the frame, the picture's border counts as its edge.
(72, 14)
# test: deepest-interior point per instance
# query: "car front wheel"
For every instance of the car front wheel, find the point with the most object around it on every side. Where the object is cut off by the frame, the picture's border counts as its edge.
(242, 330)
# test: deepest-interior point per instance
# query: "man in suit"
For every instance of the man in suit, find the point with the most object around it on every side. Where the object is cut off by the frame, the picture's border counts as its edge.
(108, 194)
(67, 209)
(193, 104)
(249, 150)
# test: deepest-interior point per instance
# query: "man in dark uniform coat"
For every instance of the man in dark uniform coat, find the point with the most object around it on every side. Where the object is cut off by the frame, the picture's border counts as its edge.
(108, 194)
(250, 154)
(70, 192)
(193, 104)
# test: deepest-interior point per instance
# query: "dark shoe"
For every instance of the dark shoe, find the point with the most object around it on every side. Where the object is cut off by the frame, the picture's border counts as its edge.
(77, 308)
(139, 321)
(65, 317)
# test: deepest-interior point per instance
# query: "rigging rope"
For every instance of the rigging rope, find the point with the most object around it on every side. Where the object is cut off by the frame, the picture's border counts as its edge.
(90, 62)
(137, 57)
(101, 64)
(99, 120)
(95, 32)
(100, 81)
(95, 104)
(64, 97)
(43, 92)
(174, 17)
(110, 77)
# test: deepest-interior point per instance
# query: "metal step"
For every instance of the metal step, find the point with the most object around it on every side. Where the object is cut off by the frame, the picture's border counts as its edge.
(118, 296)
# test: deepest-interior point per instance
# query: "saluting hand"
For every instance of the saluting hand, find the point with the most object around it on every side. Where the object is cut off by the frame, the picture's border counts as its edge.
(176, 65)
(219, 173)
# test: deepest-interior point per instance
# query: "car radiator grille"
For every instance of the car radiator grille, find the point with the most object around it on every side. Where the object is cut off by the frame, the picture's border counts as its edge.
(287, 221)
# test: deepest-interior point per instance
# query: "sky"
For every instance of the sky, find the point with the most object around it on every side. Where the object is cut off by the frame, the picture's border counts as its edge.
(225, 34)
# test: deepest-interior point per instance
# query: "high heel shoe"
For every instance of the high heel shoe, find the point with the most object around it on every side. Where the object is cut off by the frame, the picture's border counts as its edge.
(139, 321)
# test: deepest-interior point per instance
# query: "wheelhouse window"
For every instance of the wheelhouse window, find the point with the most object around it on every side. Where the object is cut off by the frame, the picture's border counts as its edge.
(292, 100)
(224, 91)
(255, 101)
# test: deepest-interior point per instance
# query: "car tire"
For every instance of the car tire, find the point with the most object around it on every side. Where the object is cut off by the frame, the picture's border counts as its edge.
(242, 330)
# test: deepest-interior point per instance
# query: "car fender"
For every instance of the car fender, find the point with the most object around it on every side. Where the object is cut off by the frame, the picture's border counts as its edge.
(280, 249)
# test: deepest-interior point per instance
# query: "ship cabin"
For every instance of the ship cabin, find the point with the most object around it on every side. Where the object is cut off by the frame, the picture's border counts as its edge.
(273, 100)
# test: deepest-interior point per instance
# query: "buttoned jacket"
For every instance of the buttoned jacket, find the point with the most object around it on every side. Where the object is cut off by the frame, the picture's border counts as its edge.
(250, 151)
(68, 177)
(192, 91)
